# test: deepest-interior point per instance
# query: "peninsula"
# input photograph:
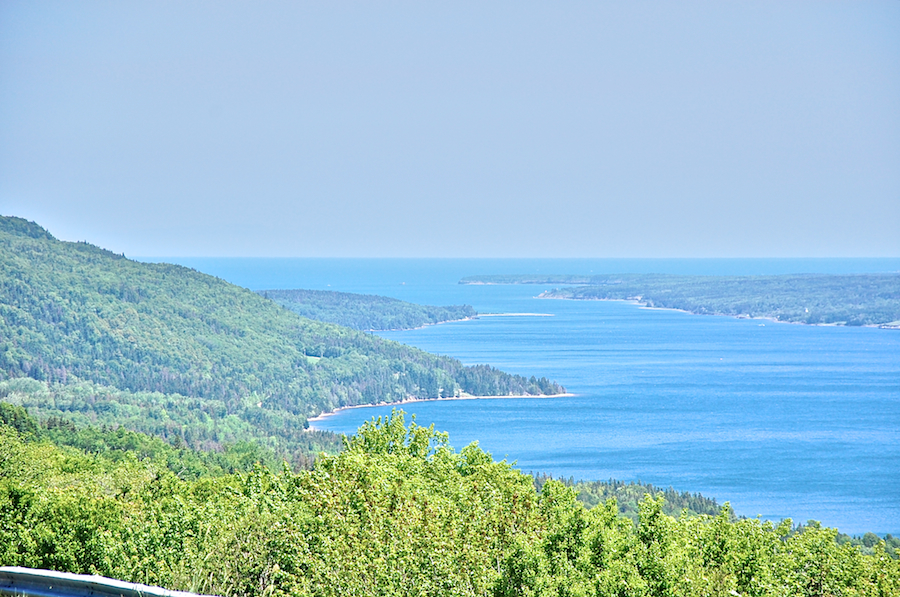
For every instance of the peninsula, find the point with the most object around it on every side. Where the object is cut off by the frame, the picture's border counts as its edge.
(816, 299)
(365, 312)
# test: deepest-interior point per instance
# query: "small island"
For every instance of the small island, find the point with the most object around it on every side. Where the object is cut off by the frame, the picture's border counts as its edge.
(815, 299)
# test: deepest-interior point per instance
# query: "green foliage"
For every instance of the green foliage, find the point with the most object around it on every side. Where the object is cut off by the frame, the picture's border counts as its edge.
(22, 227)
(628, 496)
(868, 543)
(397, 513)
(179, 420)
(165, 349)
(365, 311)
(390, 435)
(117, 444)
(17, 418)
(858, 299)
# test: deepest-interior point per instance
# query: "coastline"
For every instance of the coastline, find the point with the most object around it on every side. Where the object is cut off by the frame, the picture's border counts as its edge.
(516, 315)
(474, 317)
(323, 416)
(425, 325)
(642, 305)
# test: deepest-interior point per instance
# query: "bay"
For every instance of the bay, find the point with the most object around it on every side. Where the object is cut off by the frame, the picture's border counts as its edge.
(781, 420)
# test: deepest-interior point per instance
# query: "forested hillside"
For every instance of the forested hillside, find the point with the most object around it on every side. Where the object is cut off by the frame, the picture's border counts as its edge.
(118, 444)
(365, 311)
(180, 420)
(164, 346)
(857, 299)
(396, 513)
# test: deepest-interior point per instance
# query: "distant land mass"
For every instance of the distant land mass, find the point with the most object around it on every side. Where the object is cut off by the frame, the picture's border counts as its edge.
(365, 312)
(97, 338)
(816, 299)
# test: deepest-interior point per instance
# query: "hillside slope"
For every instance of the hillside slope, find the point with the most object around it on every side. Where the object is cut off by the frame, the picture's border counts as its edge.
(73, 314)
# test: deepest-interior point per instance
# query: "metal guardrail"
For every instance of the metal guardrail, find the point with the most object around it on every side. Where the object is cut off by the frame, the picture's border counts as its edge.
(28, 582)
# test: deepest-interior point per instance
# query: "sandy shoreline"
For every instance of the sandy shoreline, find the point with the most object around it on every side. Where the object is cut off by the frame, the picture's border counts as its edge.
(324, 416)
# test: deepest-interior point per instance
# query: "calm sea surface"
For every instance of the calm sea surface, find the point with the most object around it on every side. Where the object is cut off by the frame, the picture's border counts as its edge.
(781, 420)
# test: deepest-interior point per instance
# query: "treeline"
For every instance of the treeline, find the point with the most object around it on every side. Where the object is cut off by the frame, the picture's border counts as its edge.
(365, 311)
(166, 346)
(116, 444)
(629, 495)
(179, 420)
(396, 513)
(849, 299)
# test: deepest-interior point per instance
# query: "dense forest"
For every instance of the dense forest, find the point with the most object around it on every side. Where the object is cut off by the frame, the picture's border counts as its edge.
(179, 420)
(397, 512)
(166, 349)
(117, 444)
(857, 299)
(365, 311)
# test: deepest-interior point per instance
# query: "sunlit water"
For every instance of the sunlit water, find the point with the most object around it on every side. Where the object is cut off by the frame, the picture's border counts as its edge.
(781, 420)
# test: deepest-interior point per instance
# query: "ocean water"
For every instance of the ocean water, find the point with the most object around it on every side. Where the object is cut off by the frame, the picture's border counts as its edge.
(781, 420)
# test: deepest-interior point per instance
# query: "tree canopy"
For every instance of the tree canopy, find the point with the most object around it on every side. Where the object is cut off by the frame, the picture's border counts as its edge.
(398, 512)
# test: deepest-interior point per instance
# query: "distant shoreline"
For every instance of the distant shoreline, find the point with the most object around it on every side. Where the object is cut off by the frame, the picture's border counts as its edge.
(323, 416)
(515, 315)
(642, 305)
(472, 318)
(425, 325)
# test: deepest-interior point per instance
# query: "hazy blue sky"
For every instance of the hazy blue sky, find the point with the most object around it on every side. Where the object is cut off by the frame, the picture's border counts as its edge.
(595, 129)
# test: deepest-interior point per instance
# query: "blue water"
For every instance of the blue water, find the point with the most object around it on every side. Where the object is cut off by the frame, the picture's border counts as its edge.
(781, 420)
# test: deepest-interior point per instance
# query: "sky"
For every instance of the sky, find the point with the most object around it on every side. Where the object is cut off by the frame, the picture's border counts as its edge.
(463, 129)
